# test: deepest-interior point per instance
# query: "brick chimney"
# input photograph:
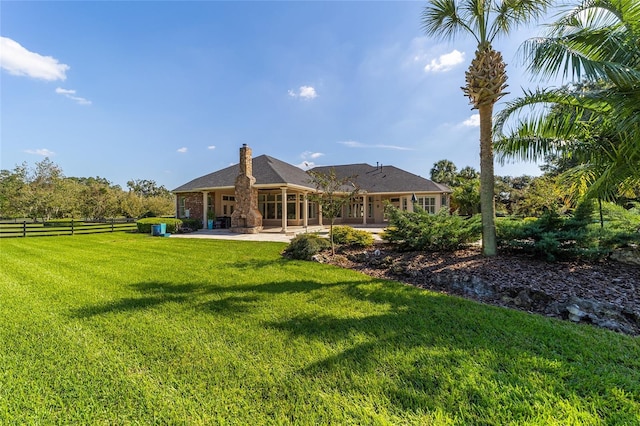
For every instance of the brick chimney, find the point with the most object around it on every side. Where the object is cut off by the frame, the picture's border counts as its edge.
(246, 218)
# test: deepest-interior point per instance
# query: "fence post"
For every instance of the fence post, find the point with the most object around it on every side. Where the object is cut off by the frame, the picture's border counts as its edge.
(24, 228)
(111, 224)
(72, 233)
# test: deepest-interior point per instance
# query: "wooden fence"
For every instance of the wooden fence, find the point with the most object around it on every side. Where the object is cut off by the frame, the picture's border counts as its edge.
(33, 229)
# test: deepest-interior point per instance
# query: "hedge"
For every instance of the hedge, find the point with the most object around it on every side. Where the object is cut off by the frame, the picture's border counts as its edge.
(144, 225)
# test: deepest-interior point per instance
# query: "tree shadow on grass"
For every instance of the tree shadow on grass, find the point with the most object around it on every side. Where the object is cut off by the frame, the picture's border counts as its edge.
(224, 299)
(435, 352)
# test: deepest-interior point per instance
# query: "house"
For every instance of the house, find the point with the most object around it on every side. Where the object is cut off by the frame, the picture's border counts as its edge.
(266, 192)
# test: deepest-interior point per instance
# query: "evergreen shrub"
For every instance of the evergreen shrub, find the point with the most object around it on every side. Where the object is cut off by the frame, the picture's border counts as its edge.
(420, 230)
(351, 236)
(305, 246)
(580, 235)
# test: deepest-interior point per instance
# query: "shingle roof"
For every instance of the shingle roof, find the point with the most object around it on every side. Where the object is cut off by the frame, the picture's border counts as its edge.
(384, 178)
(267, 171)
(271, 171)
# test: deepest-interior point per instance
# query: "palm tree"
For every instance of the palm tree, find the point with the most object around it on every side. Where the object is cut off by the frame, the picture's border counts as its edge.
(485, 21)
(596, 123)
(444, 171)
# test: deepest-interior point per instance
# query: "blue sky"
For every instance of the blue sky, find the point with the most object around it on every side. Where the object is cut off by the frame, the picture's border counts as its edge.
(169, 91)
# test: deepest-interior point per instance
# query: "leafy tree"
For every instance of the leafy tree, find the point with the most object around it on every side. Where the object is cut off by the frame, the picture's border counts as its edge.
(544, 193)
(484, 20)
(444, 171)
(147, 188)
(13, 186)
(333, 193)
(594, 125)
(465, 198)
(510, 191)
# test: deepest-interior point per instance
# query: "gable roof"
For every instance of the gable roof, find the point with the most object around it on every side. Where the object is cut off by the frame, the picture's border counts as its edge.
(267, 171)
(384, 178)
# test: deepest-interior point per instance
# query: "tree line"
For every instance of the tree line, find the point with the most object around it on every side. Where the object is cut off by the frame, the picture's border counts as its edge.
(522, 196)
(43, 192)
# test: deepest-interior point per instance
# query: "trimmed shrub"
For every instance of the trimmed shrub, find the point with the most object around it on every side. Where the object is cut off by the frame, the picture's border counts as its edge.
(190, 225)
(420, 230)
(144, 225)
(351, 236)
(305, 246)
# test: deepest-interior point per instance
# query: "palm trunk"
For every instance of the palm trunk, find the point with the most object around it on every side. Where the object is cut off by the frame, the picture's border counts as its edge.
(487, 181)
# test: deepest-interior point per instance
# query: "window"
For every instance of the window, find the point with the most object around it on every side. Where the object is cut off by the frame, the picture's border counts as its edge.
(181, 206)
(313, 209)
(443, 200)
(370, 207)
(356, 208)
(427, 203)
(291, 206)
(270, 206)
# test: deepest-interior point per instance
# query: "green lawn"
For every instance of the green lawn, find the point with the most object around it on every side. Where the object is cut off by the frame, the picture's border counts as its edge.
(132, 329)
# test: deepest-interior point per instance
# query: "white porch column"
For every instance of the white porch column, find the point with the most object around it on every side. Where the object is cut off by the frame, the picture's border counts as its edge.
(320, 214)
(284, 209)
(305, 213)
(204, 209)
(364, 209)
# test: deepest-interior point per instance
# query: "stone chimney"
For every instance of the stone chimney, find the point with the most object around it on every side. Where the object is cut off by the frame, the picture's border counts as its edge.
(246, 217)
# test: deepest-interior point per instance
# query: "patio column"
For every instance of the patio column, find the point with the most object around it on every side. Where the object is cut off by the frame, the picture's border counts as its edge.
(284, 209)
(204, 209)
(364, 209)
(305, 213)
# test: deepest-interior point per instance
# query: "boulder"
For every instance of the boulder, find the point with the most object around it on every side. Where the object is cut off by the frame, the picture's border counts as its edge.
(630, 255)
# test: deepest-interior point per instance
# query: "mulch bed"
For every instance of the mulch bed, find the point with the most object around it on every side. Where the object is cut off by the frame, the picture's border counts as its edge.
(513, 281)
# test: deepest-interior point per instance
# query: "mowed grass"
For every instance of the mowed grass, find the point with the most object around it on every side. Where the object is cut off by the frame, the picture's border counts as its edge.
(131, 329)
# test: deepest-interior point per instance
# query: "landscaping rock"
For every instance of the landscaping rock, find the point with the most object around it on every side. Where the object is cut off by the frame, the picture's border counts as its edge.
(603, 293)
(630, 256)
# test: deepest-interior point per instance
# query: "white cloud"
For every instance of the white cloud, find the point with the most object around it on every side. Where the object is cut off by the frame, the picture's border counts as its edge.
(182, 150)
(473, 121)
(211, 147)
(307, 156)
(445, 62)
(305, 92)
(312, 155)
(17, 60)
(42, 151)
(355, 144)
(71, 94)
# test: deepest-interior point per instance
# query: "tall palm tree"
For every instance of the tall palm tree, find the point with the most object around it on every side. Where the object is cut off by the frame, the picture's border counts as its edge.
(485, 21)
(596, 122)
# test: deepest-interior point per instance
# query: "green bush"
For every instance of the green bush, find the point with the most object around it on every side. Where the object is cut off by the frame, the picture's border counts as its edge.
(144, 225)
(420, 230)
(578, 236)
(304, 246)
(190, 225)
(351, 236)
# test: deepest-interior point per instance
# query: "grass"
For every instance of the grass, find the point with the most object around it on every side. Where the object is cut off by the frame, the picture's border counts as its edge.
(131, 329)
